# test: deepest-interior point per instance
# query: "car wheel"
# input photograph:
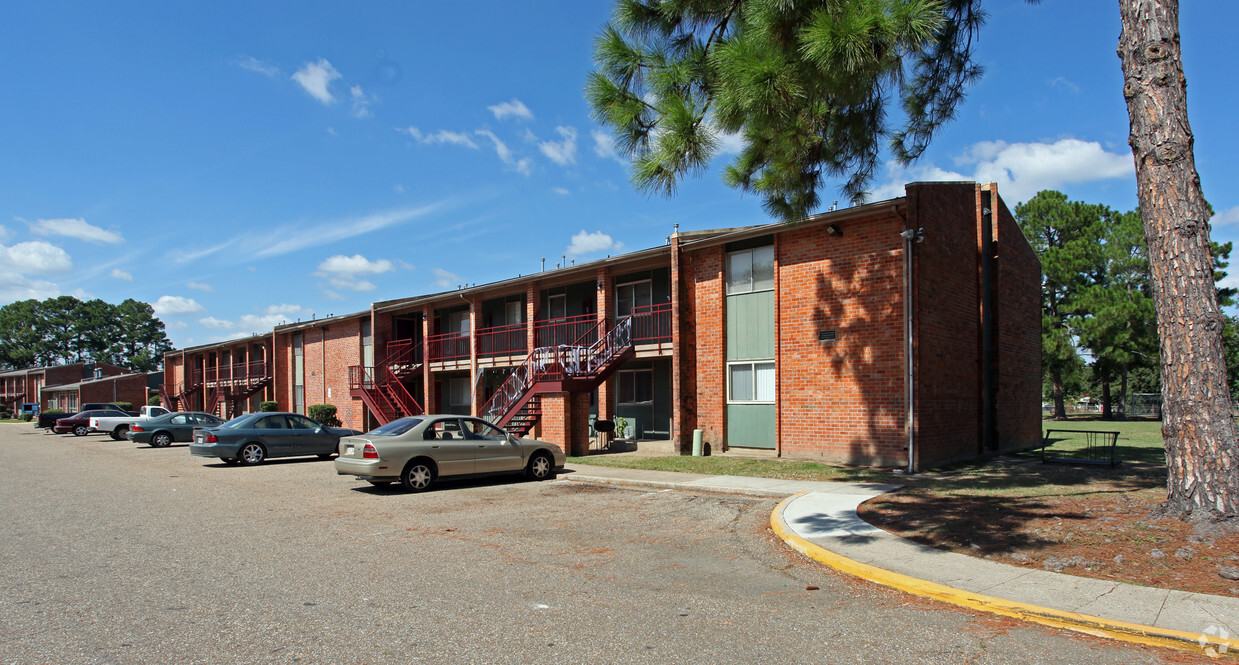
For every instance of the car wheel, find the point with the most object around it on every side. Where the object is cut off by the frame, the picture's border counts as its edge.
(230, 461)
(541, 467)
(251, 454)
(161, 440)
(80, 430)
(417, 476)
(118, 434)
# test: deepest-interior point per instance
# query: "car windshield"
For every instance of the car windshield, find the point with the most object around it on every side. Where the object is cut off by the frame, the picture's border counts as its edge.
(395, 427)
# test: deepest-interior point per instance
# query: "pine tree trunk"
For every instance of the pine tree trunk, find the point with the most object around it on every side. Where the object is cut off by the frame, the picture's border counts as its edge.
(1122, 410)
(1202, 452)
(1106, 414)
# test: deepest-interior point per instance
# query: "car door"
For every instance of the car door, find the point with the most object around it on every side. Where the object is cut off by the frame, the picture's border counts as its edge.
(272, 432)
(452, 449)
(493, 452)
(308, 437)
(181, 426)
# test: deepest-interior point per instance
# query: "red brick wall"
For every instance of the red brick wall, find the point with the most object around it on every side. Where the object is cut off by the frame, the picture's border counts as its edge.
(556, 423)
(948, 324)
(129, 388)
(330, 349)
(1018, 301)
(844, 400)
(705, 344)
(282, 359)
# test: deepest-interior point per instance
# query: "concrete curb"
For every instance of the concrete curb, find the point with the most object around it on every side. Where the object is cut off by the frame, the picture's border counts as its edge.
(1196, 643)
(661, 484)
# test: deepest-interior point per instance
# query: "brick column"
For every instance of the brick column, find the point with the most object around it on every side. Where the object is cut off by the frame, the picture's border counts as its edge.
(533, 307)
(565, 421)
(430, 401)
(682, 420)
(606, 321)
(475, 316)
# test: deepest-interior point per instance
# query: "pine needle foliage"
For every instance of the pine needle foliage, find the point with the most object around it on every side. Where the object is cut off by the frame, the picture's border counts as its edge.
(805, 85)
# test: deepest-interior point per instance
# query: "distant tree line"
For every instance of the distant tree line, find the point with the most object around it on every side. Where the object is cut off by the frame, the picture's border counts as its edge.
(64, 330)
(1098, 324)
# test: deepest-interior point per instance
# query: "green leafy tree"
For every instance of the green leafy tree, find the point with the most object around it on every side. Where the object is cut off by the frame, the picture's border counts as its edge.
(806, 84)
(1065, 235)
(140, 341)
(65, 330)
(19, 334)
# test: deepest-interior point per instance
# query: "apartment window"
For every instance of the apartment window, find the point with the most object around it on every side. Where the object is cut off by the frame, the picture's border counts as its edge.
(635, 386)
(750, 270)
(513, 312)
(557, 306)
(458, 322)
(632, 295)
(458, 393)
(750, 382)
(298, 373)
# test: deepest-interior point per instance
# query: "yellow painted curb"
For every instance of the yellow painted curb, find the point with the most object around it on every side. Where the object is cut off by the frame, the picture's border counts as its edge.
(1199, 643)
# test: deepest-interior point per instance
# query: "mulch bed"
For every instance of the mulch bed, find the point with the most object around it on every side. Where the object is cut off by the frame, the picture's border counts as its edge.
(1105, 535)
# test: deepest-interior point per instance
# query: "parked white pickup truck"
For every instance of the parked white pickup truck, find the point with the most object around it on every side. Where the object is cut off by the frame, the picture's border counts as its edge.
(117, 426)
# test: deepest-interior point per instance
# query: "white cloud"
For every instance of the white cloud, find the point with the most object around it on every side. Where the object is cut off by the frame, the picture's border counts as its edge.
(561, 191)
(592, 243)
(268, 318)
(15, 287)
(199, 287)
(522, 166)
(561, 152)
(514, 108)
(316, 78)
(255, 65)
(82, 294)
(292, 238)
(729, 143)
(1062, 82)
(441, 136)
(117, 273)
(446, 279)
(343, 272)
(1020, 169)
(1226, 217)
(604, 146)
(35, 256)
(5, 234)
(75, 228)
(361, 102)
(174, 305)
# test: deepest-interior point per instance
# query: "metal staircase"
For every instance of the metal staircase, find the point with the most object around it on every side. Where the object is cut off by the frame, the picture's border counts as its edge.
(577, 367)
(381, 388)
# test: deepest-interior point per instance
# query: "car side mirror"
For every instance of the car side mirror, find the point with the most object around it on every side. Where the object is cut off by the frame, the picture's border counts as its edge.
(319, 430)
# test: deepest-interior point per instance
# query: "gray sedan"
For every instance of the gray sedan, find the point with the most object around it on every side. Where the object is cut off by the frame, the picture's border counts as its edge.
(161, 431)
(420, 449)
(254, 437)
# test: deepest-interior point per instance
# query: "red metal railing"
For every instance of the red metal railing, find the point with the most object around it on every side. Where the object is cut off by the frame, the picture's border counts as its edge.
(257, 370)
(568, 330)
(502, 340)
(581, 359)
(451, 346)
(384, 391)
(651, 324)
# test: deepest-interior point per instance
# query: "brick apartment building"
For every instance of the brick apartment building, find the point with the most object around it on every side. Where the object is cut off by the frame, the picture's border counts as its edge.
(25, 386)
(900, 333)
(131, 388)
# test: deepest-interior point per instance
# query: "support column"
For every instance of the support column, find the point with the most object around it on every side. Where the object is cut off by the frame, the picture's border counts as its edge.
(431, 400)
(475, 378)
(606, 321)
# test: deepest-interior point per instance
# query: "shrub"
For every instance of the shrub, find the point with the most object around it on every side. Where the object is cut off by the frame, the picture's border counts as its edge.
(27, 417)
(153, 400)
(324, 413)
(268, 406)
(124, 406)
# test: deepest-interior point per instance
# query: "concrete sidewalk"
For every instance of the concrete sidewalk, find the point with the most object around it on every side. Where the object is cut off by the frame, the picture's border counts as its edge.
(819, 520)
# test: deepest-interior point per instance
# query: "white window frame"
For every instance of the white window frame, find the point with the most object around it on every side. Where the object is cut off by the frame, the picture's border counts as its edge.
(753, 365)
(752, 282)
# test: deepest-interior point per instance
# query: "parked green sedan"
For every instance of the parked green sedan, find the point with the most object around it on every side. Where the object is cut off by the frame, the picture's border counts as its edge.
(417, 450)
(161, 431)
(254, 437)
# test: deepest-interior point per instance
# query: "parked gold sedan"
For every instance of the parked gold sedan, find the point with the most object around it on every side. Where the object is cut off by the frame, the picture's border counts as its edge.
(418, 450)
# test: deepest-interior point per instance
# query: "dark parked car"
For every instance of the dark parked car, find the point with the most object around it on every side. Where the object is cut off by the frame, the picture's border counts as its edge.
(161, 431)
(79, 423)
(252, 438)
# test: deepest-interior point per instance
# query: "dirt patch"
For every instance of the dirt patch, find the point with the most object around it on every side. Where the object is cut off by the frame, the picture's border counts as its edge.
(1105, 534)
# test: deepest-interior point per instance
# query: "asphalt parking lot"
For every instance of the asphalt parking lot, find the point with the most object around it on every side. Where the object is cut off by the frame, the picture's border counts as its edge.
(114, 553)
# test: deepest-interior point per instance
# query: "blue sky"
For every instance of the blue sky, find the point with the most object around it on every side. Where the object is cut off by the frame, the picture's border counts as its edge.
(241, 164)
